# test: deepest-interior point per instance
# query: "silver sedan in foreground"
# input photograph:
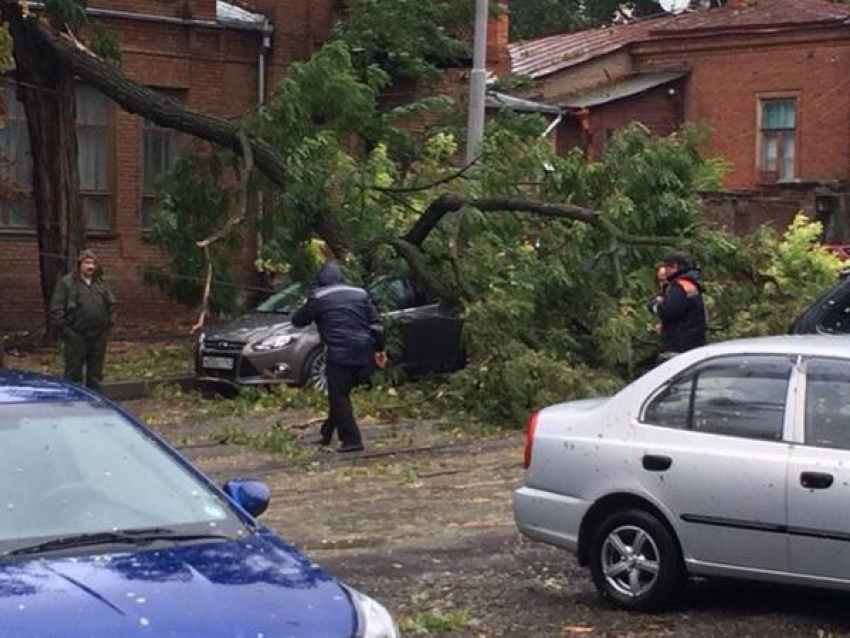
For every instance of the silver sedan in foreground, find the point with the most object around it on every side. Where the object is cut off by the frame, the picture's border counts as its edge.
(731, 460)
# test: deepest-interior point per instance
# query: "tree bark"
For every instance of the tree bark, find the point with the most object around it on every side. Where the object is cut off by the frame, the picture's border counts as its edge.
(450, 203)
(47, 92)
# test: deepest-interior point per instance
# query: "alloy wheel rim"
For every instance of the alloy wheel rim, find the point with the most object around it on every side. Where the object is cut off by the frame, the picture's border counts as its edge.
(630, 561)
(318, 373)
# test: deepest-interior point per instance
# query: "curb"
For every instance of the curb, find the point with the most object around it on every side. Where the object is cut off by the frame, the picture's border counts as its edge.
(140, 388)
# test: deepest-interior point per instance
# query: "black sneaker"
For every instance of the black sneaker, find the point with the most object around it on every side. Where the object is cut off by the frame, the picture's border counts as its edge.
(350, 447)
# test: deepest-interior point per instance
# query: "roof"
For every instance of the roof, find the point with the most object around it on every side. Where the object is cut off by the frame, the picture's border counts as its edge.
(543, 56)
(27, 387)
(234, 15)
(497, 100)
(820, 345)
(632, 85)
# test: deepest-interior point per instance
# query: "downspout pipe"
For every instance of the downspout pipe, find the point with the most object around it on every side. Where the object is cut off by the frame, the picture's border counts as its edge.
(266, 44)
(265, 47)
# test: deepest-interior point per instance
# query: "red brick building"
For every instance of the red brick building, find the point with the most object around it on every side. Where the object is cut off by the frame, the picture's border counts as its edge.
(771, 78)
(220, 58)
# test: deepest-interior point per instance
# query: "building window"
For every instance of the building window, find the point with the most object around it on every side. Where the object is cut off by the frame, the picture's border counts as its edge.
(161, 153)
(16, 210)
(16, 207)
(778, 139)
(162, 150)
(93, 156)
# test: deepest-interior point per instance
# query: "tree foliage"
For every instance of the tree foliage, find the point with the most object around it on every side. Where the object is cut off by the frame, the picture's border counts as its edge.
(408, 38)
(549, 260)
(536, 18)
(554, 308)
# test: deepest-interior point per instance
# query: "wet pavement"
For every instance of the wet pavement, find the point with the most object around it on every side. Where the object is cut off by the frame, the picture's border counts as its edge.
(422, 521)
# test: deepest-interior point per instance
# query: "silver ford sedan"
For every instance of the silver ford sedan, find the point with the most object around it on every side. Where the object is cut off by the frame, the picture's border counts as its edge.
(731, 460)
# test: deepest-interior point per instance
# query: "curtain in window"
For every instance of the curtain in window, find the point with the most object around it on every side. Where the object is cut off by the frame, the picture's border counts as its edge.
(779, 114)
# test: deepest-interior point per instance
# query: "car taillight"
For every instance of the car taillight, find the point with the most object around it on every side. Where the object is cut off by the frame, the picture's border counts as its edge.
(529, 440)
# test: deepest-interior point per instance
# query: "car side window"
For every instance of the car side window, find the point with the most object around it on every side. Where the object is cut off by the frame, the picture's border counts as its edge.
(671, 408)
(732, 396)
(392, 294)
(742, 397)
(828, 403)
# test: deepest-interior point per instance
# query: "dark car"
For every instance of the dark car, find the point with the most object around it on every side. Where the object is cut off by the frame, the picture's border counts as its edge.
(264, 348)
(829, 314)
(107, 531)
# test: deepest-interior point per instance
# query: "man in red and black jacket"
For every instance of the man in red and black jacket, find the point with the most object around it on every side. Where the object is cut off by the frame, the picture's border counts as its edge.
(680, 307)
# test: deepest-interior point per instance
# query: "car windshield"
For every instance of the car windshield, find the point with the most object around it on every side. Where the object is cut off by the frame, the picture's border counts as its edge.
(77, 468)
(284, 301)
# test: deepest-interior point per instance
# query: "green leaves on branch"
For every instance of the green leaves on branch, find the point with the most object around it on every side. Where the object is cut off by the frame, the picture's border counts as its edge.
(412, 39)
(195, 203)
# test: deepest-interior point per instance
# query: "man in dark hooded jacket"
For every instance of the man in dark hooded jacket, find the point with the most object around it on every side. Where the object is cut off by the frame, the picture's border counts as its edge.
(680, 306)
(353, 336)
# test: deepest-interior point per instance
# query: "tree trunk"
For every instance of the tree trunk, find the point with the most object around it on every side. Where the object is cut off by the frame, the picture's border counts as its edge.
(46, 90)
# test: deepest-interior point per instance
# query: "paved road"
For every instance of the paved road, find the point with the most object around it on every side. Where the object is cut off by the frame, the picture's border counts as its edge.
(431, 530)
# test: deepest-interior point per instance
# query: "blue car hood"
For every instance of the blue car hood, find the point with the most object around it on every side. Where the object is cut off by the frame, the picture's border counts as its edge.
(257, 587)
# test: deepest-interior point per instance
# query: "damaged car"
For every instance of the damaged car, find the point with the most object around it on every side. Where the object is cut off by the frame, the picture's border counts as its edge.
(263, 348)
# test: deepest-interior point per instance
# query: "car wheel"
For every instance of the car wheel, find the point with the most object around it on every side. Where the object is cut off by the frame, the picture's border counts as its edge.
(635, 561)
(315, 371)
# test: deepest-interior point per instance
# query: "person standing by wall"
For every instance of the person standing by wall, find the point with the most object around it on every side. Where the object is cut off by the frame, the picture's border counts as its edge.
(83, 309)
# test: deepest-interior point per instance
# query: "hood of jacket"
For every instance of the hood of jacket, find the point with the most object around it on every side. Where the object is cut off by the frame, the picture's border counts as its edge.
(330, 274)
(691, 275)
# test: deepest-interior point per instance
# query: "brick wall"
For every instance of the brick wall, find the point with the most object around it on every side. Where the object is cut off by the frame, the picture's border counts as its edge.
(657, 109)
(189, 9)
(216, 70)
(730, 75)
(300, 29)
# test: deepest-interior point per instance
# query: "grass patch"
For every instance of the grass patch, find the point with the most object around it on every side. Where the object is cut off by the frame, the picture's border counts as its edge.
(125, 360)
(435, 622)
(276, 440)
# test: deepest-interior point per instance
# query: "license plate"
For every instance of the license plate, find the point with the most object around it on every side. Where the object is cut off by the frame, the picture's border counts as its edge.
(218, 363)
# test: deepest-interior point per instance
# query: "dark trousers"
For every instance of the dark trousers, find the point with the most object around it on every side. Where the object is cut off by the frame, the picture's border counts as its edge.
(84, 358)
(341, 381)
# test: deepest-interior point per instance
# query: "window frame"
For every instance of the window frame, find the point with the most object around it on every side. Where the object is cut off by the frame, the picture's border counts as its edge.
(25, 189)
(766, 176)
(108, 195)
(801, 429)
(790, 418)
(174, 93)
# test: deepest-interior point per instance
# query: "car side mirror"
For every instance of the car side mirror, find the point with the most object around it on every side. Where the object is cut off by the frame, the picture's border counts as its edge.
(252, 496)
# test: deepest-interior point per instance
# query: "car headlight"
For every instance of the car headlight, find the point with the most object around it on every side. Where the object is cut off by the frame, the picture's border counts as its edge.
(273, 343)
(374, 619)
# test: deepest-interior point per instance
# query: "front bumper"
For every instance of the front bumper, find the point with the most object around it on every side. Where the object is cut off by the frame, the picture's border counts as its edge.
(247, 369)
(548, 517)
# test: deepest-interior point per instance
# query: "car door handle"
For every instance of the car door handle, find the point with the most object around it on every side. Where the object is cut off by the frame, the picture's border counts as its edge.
(816, 480)
(656, 463)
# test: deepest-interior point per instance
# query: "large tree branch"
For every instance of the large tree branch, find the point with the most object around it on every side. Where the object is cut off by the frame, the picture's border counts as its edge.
(450, 203)
(158, 108)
